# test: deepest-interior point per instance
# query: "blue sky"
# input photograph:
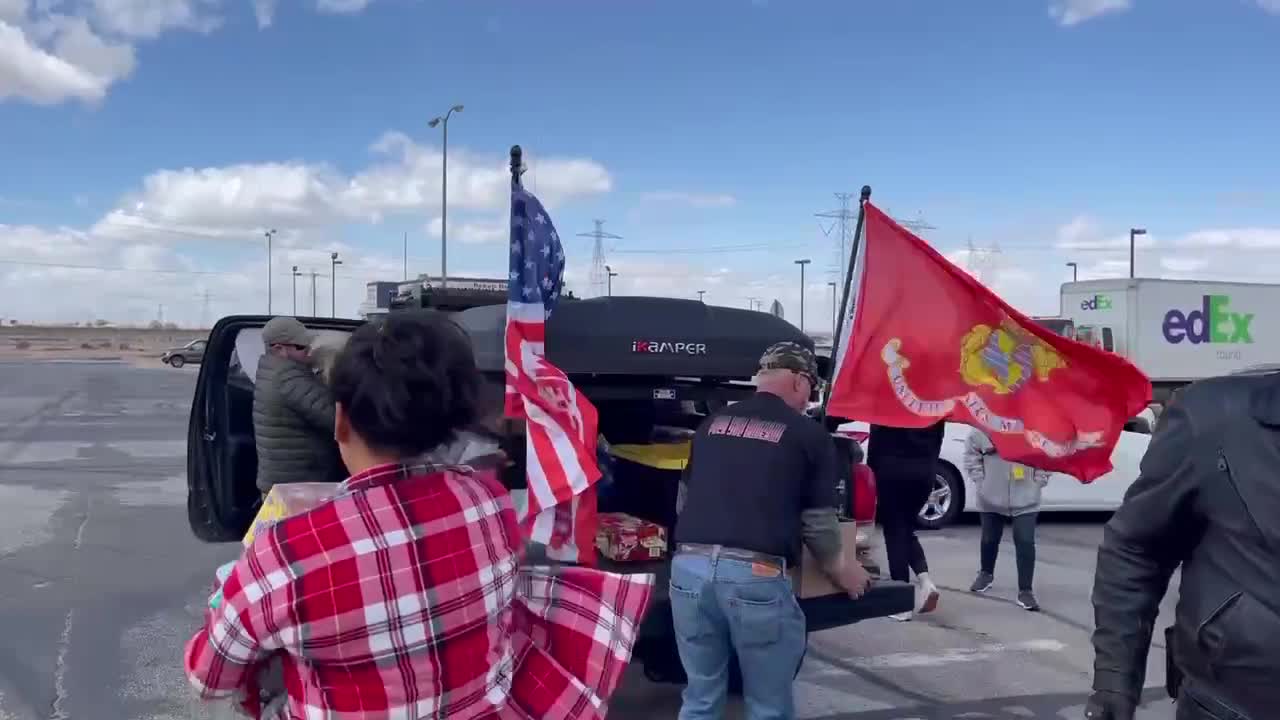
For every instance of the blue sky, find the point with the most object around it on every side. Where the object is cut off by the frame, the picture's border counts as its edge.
(1041, 129)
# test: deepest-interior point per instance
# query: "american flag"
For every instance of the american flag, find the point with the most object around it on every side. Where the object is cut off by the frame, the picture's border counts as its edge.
(561, 425)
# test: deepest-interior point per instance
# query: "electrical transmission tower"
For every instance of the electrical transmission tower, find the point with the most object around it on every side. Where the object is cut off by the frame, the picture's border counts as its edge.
(842, 218)
(599, 277)
(204, 308)
(981, 262)
(918, 225)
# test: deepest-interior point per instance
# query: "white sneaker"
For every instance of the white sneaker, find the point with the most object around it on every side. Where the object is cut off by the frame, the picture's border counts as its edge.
(927, 594)
(901, 617)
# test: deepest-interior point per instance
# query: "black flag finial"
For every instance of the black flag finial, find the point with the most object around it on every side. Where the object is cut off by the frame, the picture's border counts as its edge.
(517, 163)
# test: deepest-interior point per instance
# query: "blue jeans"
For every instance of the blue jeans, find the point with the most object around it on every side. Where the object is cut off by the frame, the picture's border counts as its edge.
(721, 606)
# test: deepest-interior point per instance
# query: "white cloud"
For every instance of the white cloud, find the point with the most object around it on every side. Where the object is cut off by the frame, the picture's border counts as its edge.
(75, 64)
(163, 232)
(472, 232)
(151, 18)
(1232, 237)
(342, 6)
(1249, 254)
(57, 51)
(13, 11)
(264, 11)
(1083, 233)
(696, 200)
(1074, 12)
(244, 199)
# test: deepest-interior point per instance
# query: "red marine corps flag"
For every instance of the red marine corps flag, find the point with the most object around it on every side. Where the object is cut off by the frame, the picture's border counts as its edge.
(928, 342)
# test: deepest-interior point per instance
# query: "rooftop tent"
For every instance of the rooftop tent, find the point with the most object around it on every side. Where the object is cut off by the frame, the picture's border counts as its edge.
(641, 336)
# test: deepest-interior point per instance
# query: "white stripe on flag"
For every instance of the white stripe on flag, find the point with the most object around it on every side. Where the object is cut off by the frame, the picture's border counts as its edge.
(539, 485)
(543, 525)
(563, 446)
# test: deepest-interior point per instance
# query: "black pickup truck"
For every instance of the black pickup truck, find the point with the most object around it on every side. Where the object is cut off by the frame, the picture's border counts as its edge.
(643, 362)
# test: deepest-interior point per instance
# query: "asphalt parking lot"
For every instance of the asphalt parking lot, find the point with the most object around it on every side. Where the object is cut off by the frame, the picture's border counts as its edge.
(101, 582)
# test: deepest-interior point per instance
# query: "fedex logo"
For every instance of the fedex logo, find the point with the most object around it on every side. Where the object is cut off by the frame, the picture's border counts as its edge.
(1097, 302)
(1212, 322)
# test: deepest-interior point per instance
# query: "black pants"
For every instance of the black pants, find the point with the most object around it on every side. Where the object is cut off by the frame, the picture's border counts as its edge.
(1024, 545)
(901, 497)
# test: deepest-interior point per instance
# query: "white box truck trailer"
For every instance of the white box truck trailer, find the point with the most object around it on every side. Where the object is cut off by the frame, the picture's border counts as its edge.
(1178, 331)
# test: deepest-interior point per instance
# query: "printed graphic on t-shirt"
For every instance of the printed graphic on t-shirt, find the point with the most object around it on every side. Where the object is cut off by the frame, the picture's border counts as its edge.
(747, 427)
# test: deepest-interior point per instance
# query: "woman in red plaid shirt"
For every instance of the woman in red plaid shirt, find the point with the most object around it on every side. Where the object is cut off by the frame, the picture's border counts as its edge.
(403, 597)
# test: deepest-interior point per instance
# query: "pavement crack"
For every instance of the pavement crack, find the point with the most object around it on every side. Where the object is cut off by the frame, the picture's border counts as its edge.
(58, 710)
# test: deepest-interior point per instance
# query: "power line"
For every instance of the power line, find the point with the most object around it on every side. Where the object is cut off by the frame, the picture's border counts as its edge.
(158, 271)
(108, 268)
(709, 250)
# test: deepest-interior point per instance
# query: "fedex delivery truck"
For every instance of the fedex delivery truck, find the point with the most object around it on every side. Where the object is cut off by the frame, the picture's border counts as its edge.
(1178, 331)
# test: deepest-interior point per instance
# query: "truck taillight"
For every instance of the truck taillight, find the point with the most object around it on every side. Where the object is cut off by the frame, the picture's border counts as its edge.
(864, 494)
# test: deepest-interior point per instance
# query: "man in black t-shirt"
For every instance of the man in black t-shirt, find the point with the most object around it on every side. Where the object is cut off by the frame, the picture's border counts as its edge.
(761, 478)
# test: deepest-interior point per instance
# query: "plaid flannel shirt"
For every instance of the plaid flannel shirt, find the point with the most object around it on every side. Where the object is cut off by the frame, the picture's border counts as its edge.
(402, 598)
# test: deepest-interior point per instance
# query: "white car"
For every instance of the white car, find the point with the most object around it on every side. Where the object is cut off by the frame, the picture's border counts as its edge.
(953, 492)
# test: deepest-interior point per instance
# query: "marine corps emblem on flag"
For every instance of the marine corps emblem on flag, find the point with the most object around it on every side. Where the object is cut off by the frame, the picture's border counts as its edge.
(1006, 357)
(1011, 366)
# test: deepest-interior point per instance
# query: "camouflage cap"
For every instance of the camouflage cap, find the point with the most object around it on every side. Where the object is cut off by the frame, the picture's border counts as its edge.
(791, 356)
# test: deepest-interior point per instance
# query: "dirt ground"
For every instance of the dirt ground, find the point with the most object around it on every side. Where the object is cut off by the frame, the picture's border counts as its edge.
(142, 346)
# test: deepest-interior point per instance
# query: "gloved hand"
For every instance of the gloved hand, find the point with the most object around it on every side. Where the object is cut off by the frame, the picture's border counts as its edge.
(1106, 705)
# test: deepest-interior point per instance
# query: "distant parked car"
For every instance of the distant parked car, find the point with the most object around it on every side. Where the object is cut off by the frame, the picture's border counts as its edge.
(192, 352)
(954, 493)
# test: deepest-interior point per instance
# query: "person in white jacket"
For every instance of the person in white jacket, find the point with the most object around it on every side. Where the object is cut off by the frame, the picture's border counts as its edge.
(1006, 492)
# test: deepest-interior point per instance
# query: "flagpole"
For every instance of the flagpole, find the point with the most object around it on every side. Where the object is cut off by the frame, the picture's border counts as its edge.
(863, 199)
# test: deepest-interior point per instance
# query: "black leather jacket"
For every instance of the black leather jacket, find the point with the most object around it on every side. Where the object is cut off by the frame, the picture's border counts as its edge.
(1208, 500)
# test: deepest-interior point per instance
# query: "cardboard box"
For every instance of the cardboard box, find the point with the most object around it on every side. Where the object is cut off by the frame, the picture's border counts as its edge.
(623, 538)
(812, 581)
(286, 501)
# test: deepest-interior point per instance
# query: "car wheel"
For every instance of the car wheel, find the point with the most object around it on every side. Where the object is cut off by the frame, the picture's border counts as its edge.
(176, 361)
(946, 499)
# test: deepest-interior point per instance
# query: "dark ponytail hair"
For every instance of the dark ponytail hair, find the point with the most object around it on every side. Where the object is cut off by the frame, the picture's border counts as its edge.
(409, 383)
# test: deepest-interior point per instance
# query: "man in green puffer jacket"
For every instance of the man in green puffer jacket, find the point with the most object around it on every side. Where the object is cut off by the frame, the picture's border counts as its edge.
(292, 411)
(1006, 492)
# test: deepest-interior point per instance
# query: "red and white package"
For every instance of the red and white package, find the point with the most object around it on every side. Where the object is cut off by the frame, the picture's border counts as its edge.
(624, 538)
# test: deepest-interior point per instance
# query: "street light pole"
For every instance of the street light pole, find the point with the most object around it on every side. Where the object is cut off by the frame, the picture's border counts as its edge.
(334, 262)
(802, 263)
(295, 290)
(1075, 271)
(444, 193)
(270, 234)
(1133, 233)
(701, 293)
(610, 274)
(313, 293)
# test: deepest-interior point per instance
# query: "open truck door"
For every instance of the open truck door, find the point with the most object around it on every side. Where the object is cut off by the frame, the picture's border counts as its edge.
(222, 458)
